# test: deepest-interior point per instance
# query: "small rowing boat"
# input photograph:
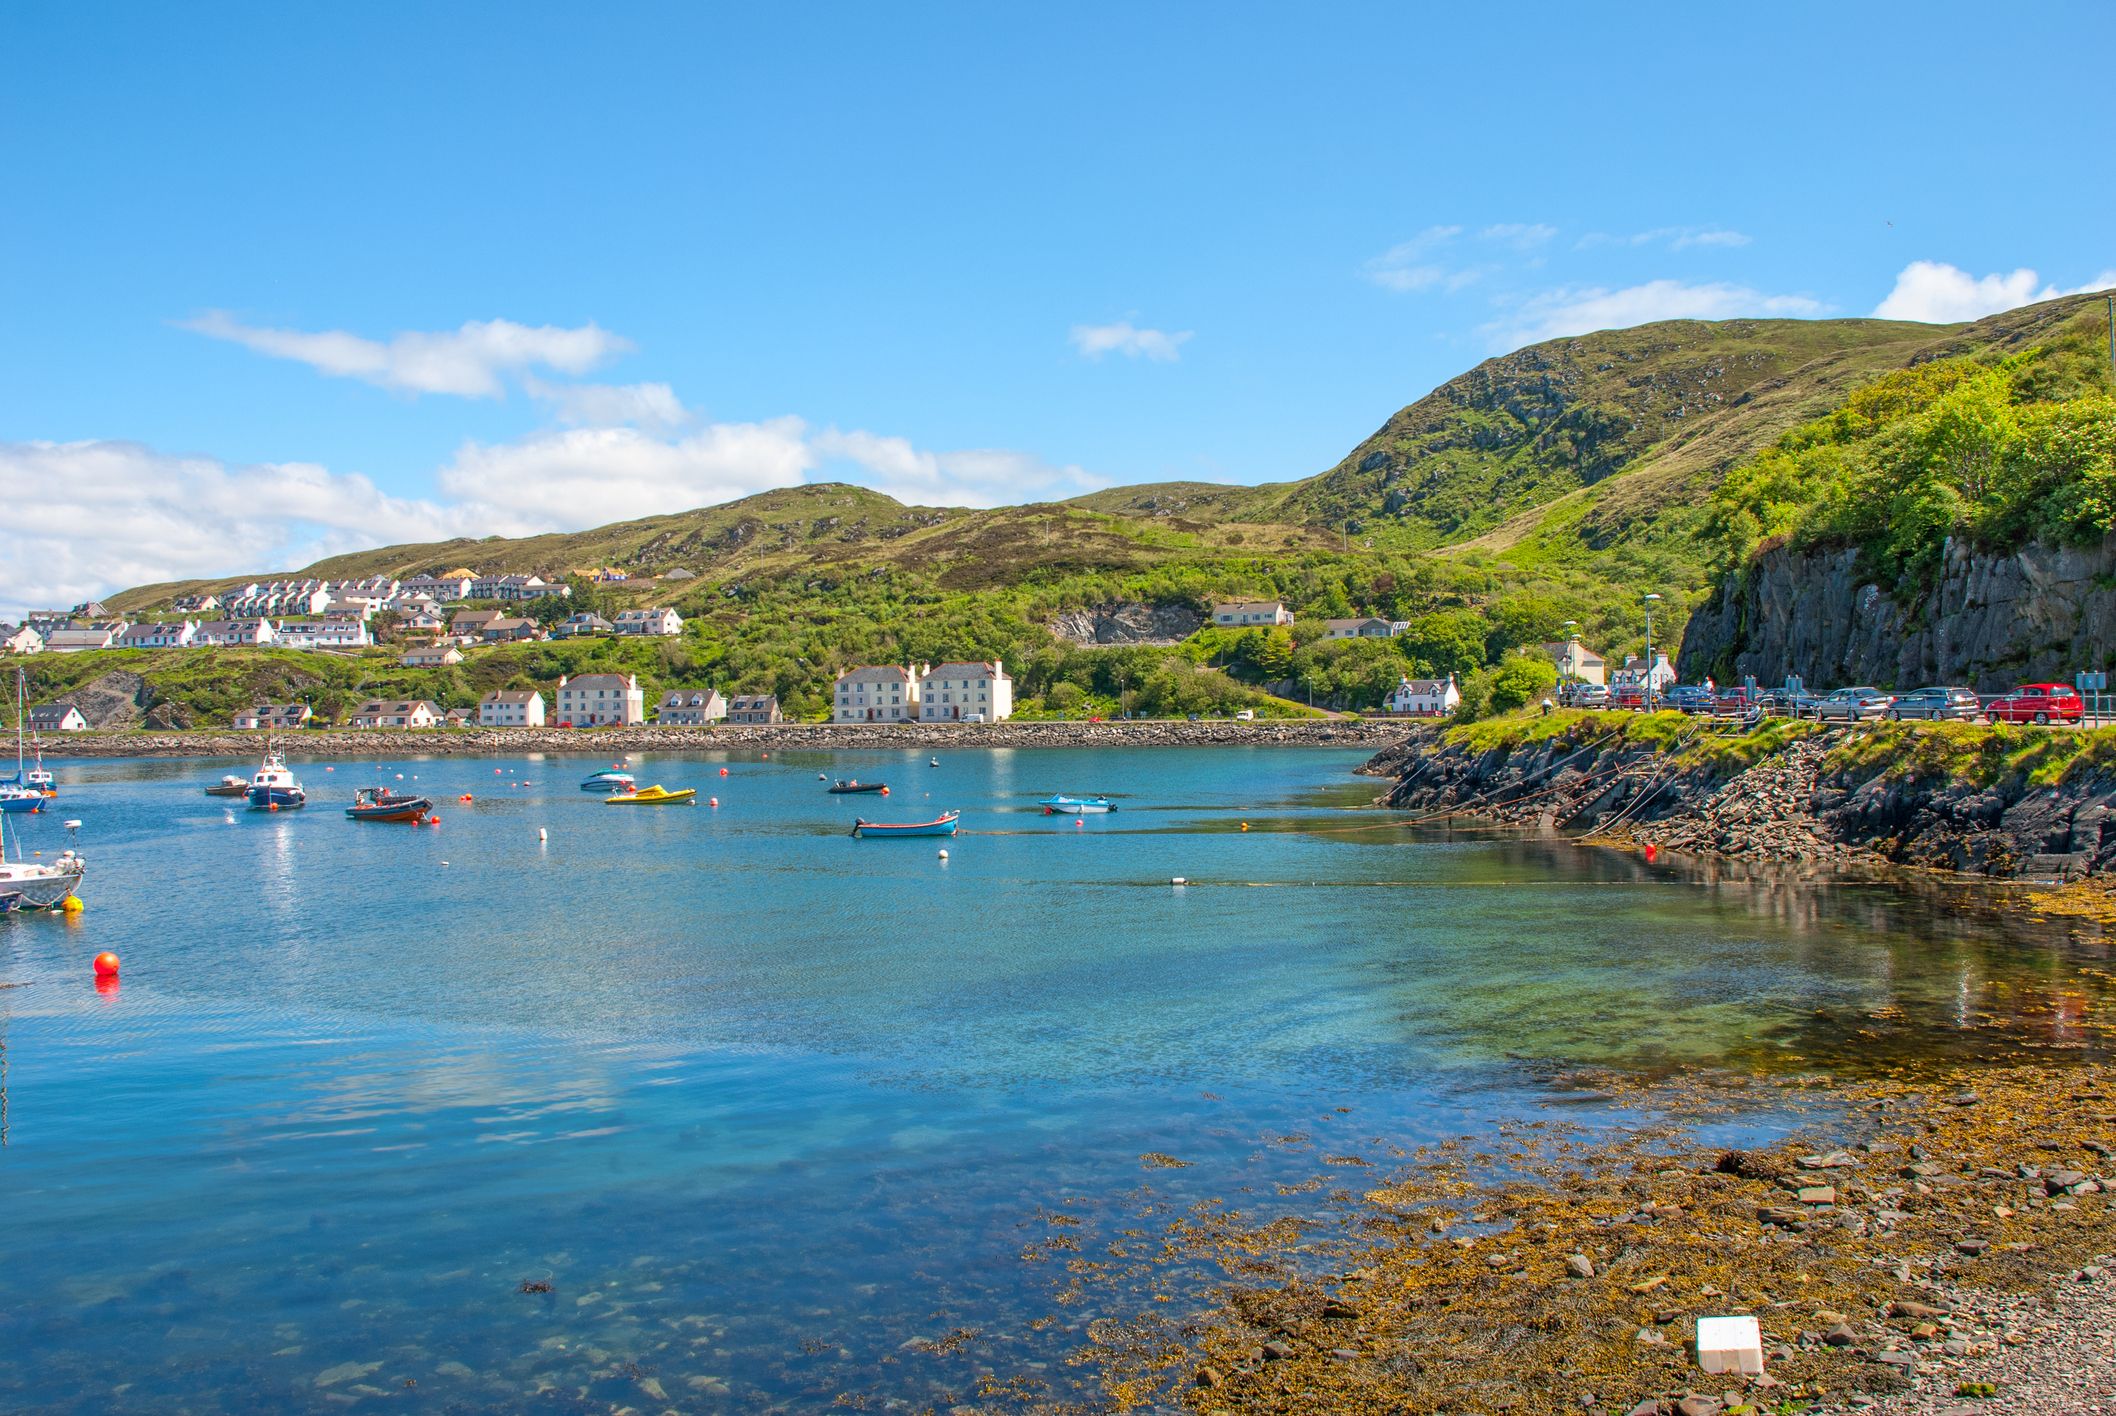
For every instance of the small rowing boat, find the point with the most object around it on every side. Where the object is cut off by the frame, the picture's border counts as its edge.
(843, 788)
(943, 826)
(382, 804)
(655, 795)
(1076, 805)
(230, 785)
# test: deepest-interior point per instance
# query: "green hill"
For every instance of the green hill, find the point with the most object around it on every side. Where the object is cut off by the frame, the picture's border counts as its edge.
(1557, 482)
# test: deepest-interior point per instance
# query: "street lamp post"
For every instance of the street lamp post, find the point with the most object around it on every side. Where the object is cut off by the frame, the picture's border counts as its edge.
(1572, 632)
(1652, 599)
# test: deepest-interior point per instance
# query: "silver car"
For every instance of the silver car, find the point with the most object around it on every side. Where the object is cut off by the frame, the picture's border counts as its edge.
(1852, 704)
(1935, 704)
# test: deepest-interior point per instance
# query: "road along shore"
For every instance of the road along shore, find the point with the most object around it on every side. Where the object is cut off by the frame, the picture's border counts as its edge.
(775, 737)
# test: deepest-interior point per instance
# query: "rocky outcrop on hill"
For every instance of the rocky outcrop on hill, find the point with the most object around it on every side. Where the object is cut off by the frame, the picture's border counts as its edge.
(816, 737)
(1804, 800)
(1128, 623)
(1990, 620)
(117, 700)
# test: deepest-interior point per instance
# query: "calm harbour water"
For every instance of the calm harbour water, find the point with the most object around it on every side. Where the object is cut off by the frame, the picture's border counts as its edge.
(763, 1103)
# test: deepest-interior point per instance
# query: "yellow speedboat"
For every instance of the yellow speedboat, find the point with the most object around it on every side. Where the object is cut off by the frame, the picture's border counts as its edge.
(651, 796)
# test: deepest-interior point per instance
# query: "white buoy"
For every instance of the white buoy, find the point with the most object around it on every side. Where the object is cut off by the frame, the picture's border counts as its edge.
(540, 834)
(944, 854)
(1178, 880)
(73, 825)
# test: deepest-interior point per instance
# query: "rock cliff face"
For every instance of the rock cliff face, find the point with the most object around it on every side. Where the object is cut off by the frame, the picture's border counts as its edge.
(1128, 624)
(1991, 621)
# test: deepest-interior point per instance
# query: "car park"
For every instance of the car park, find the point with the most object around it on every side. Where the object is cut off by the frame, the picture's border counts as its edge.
(1936, 704)
(2037, 703)
(1852, 704)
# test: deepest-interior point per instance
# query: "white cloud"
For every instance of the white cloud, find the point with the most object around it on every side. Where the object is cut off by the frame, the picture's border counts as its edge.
(970, 477)
(1677, 238)
(1554, 314)
(1408, 266)
(1522, 236)
(467, 362)
(644, 405)
(1133, 342)
(1934, 292)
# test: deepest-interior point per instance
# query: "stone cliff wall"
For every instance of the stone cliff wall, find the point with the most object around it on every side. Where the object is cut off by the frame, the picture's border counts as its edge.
(1991, 621)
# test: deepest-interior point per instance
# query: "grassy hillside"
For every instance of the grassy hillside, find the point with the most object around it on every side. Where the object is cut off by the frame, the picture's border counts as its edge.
(1557, 482)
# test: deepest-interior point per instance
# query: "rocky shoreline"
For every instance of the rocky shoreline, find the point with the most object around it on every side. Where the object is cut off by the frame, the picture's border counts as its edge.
(776, 737)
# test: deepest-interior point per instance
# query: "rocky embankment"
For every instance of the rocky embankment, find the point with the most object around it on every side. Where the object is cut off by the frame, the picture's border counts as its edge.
(820, 737)
(1875, 793)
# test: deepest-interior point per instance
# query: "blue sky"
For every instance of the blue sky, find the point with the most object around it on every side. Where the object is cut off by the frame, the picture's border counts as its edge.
(285, 279)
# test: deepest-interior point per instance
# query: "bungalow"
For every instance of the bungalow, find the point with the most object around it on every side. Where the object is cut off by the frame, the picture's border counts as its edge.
(511, 708)
(249, 632)
(394, 713)
(511, 631)
(585, 623)
(690, 707)
(470, 624)
(420, 620)
(272, 716)
(966, 692)
(659, 621)
(440, 656)
(24, 640)
(457, 718)
(1242, 614)
(595, 699)
(877, 693)
(322, 634)
(754, 708)
(1576, 663)
(1425, 698)
(76, 636)
(89, 610)
(57, 718)
(1368, 627)
(158, 636)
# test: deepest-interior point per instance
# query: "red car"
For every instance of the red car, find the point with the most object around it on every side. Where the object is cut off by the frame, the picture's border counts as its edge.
(2037, 703)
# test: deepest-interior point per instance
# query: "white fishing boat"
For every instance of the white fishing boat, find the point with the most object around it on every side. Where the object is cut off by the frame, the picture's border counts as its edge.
(273, 787)
(35, 884)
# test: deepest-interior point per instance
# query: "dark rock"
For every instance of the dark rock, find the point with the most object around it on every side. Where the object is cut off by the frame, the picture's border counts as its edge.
(1210, 1377)
(1276, 1351)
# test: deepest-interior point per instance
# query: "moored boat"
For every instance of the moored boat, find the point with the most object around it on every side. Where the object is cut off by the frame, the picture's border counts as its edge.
(656, 795)
(1076, 805)
(609, 780)
(35, 884)
(942, 826)
(16, 794)
(382, 804)
(230, 785)
(845, 788)
(273, 787)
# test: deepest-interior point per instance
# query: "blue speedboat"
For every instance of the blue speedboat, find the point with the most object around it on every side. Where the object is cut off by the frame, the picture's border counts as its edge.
(608, 782)
(273, 787)
(1076, 805)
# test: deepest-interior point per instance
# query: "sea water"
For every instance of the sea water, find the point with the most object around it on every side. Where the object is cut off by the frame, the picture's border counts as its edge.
(705, 1108)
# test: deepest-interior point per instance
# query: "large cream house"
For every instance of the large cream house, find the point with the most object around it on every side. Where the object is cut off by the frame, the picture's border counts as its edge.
(1577, 663)
(592, 700)
(877, 693)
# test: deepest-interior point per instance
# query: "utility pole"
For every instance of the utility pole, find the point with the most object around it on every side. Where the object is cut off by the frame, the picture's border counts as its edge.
(2112, 336)
(1651, 599)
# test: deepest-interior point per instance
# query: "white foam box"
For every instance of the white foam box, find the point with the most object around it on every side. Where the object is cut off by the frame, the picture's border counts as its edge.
(1730, 1345)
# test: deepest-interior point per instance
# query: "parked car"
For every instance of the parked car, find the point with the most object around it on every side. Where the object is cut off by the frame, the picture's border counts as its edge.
(1590, 695)
(1792, 704)
(1852, 704)
(1934, 704)
(1245, 715)
(1688, 697)
(1628, 695)
(2037, 703)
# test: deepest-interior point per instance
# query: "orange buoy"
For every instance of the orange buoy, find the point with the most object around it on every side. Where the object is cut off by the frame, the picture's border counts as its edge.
(106, 965)
(464, 797)
(271, 806)
(712, 801)
(434, 820)
(1652, 852)
(885, 791)
(723, 771)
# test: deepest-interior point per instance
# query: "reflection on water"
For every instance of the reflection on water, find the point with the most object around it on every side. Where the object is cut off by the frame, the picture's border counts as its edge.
(763, 1104)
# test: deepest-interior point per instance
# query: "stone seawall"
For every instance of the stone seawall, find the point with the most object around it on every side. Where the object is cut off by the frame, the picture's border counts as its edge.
(1814, 795)
(823, 737)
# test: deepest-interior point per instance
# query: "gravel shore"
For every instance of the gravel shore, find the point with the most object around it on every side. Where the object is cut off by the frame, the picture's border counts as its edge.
(815, 737)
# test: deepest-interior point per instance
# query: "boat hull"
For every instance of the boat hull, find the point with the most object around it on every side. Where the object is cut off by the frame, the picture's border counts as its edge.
(853, 788)
(1076, 806)
(27, 802)
(881, 829)
(414, 811)
(651, 797)
(38, 887)
(233, 789)
(606, 784)
(281, 798)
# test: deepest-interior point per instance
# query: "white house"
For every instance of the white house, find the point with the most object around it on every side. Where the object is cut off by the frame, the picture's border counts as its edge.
(234, 631)
(1425, 698)
(177, 635)
(511, 708)
(1368, 627)
(594, 699)
(273, 715)
(394, 713)
(1634, 673)
(965, 691)
(195, 604)
(586, 622)
(1576, 663)
(76, 636)
(439, 588)
(690, 707)
(322, 634)
(57, 718)
(877, 693)
(439, 656)
(660, 621)
(1247, 614)
(22, 640)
